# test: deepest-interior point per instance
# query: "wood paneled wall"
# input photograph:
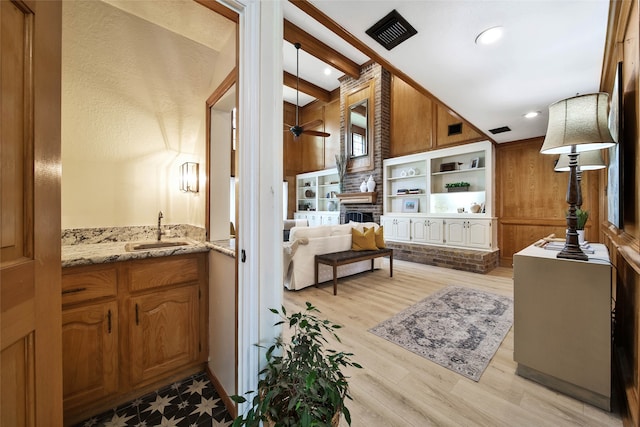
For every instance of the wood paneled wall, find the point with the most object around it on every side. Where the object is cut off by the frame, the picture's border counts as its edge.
(420, 123)
(411, 116)
(530, 200)
(623, 45)
(310, 153)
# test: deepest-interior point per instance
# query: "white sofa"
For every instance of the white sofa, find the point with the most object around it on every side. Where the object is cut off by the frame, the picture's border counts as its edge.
(306, 242)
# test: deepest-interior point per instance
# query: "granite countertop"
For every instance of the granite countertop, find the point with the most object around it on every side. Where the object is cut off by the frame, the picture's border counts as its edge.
(106, 245)
(102, 253)
(227, 247)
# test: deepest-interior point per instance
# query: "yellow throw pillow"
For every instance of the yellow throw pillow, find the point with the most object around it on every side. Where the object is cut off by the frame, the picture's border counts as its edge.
(379, 237)
(363, 241)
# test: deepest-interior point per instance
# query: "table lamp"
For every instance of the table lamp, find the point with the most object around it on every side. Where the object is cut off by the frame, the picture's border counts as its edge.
(587, 161)
(577, 124)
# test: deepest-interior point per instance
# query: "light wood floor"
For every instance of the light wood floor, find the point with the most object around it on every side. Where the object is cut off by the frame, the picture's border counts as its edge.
(399, 388)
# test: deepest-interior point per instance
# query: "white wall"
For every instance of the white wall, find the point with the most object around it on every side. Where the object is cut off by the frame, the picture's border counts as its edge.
(133, 110)
(222, 315)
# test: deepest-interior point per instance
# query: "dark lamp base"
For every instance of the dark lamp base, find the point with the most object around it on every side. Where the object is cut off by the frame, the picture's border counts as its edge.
(572, 253)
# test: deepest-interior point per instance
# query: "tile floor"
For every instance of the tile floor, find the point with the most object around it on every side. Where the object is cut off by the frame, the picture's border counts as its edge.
(192, 402)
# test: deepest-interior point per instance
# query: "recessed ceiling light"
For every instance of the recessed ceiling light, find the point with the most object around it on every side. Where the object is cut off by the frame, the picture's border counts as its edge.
(327, 71)
(490, 35)
(532, 114)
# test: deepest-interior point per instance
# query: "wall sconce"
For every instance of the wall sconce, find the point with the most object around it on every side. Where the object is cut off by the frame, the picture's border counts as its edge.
(189, 182)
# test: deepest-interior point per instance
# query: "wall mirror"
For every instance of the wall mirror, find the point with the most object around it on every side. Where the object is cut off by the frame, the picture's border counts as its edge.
(359, 114)
(358, 129)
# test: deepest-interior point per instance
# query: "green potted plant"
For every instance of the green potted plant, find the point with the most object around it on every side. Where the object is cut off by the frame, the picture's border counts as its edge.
(302, 383)
(583, 216)
(453, 187)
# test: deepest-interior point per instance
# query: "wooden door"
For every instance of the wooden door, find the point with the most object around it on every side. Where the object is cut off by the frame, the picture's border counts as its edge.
(163, 332)
(90, 362)
(30, 320)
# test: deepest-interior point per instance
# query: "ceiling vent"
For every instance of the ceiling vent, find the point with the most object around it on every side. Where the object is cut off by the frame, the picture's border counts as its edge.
(500, 130)
(391, 30)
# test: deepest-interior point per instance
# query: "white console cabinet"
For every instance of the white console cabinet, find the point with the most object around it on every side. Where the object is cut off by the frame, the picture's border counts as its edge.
(562, 322)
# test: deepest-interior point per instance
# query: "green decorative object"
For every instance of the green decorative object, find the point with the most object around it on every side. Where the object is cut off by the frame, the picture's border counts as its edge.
(454, 187)
(583, 216)
(302, 383)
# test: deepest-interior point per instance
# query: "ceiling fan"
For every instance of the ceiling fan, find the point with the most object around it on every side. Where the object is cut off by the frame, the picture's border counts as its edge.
(305, 128)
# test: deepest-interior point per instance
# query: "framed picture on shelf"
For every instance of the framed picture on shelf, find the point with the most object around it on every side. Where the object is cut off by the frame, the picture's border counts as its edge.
(410, 205)
(475, 163)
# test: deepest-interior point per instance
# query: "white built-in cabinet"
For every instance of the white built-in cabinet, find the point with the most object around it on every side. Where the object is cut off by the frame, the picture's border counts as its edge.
(316, 197)
(419, 207)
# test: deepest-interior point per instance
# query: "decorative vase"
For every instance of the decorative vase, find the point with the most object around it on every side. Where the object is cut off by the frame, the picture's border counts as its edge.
(371, 184)
(363, 187)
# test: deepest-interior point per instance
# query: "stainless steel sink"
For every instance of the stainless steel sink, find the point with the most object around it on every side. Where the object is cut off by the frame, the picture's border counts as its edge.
(154, 245)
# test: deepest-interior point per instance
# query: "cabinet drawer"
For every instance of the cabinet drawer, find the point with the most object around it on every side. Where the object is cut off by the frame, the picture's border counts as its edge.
(155, 273)
(88, 285)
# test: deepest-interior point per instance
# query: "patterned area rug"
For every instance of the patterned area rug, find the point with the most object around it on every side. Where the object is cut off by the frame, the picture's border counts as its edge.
(457, 327)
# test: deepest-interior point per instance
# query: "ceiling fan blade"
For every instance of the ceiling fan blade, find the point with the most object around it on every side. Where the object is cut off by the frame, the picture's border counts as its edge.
(316, 133)
(311, 124)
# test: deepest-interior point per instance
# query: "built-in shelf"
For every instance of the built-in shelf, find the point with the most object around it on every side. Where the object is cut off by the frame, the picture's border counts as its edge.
(357, 197)
(458, 171)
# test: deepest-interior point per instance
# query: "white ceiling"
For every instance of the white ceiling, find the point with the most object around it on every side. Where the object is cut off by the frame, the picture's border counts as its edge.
(551, 50)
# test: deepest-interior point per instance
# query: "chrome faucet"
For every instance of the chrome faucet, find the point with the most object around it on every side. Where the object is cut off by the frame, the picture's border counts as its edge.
(159, 226)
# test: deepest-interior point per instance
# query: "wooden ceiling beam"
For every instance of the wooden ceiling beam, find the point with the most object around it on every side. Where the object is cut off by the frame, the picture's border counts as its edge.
(307, 7)
(323, 52)
(307, 87)
(220, 9)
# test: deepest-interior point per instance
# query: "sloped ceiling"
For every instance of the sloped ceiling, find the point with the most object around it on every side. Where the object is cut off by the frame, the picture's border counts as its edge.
(551, 50)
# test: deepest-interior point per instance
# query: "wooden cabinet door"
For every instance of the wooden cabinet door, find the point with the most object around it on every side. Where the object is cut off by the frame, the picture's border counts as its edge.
(455, 232)
(479, 234)
(388, 227)
(30, 317)
(419, 230)
(435, 232)
(403, 229)
(163, 332)
(90, 353)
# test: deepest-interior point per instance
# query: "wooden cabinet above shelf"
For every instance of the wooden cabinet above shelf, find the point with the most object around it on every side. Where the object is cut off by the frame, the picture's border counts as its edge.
(357, 197)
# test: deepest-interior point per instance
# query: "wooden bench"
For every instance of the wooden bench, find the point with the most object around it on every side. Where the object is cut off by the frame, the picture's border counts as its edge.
(336, 259)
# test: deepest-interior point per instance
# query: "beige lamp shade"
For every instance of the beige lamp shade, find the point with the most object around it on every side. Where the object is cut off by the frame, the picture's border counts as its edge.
(587, 161)
(580, 121)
